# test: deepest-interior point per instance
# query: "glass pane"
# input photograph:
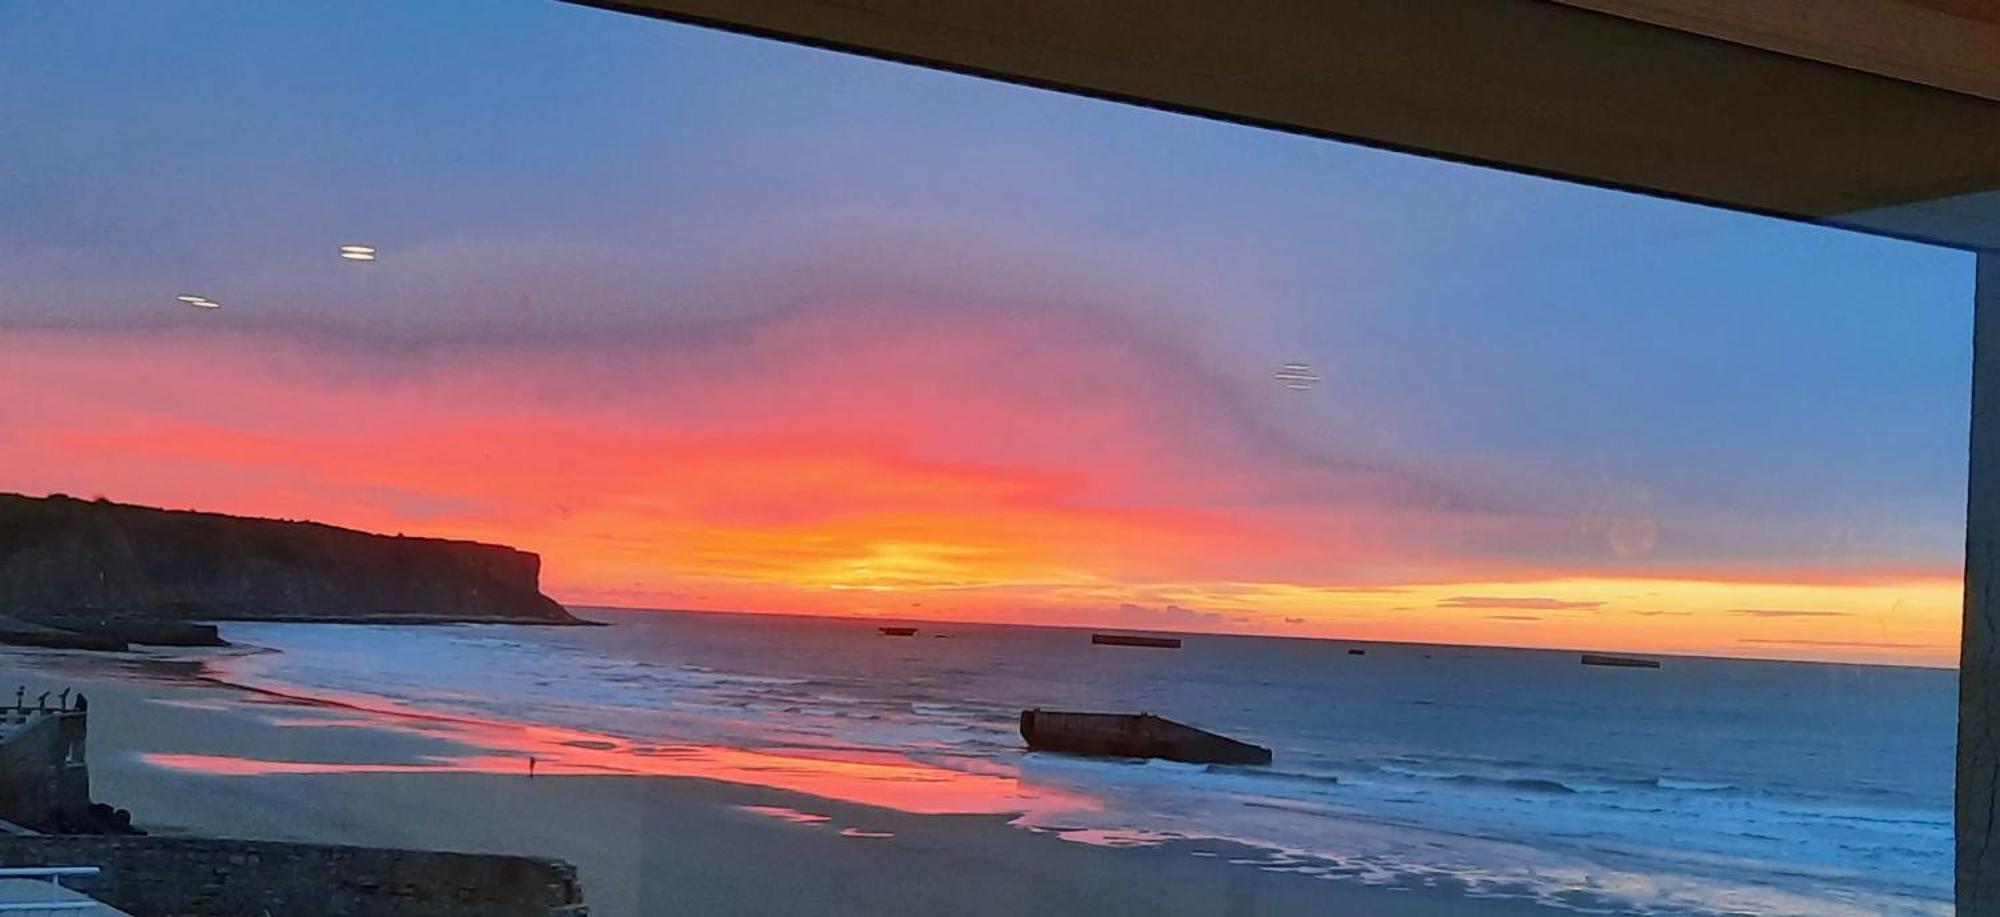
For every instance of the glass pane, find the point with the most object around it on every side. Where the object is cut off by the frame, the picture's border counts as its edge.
(1566, 549)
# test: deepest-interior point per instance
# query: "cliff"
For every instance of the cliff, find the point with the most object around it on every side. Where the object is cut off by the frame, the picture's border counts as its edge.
(94, 564)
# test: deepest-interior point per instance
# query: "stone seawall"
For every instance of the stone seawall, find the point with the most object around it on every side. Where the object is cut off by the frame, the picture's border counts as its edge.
(205, 877)
(43, 778)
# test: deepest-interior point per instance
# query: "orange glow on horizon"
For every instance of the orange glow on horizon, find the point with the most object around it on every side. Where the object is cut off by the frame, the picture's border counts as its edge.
(845, 462)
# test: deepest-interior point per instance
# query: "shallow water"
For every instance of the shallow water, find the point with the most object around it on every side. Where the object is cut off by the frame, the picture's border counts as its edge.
(1704, 786)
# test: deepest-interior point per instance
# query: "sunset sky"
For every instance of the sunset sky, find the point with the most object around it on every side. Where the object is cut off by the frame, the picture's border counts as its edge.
(711, 322)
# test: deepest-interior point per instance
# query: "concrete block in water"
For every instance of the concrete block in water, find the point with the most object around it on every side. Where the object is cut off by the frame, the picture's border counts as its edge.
(1126, 735)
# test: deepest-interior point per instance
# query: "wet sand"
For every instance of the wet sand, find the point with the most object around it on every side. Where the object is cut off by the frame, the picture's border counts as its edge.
(649, 845)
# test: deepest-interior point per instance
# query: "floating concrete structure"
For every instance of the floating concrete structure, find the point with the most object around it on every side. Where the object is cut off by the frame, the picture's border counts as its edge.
(1167, 643)
(1125, 735)
(1622, 662)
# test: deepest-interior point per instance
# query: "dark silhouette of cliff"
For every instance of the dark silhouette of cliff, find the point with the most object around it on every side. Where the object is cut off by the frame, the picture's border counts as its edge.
(137, 572)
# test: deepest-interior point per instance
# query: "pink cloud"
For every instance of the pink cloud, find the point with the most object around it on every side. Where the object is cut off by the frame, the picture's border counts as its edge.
(1785, 613)
(1008, 441)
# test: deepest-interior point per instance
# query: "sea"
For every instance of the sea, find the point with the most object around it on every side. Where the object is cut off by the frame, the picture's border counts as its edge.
(1706, 786)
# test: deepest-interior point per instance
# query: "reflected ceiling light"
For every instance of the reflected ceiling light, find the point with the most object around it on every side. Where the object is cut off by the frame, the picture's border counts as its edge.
(358, 252)
(199, 301)
(1297, 376)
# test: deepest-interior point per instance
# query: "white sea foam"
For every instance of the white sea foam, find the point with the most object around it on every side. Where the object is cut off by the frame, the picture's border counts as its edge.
(1703, 787)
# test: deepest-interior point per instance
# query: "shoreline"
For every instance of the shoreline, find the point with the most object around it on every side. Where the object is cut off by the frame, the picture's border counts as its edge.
(404, 620)
(647, 843)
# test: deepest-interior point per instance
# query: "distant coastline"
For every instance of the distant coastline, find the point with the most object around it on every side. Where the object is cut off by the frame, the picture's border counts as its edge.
(100, 575)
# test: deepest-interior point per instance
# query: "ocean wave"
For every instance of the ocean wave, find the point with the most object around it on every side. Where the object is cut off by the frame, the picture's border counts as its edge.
(1312, 780)
(1333, 794)
(1691, 786)
(1591, 782)
(1523, 783)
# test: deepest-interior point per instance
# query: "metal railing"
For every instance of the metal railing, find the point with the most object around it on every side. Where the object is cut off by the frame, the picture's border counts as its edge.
(20, 709)
(56, 902)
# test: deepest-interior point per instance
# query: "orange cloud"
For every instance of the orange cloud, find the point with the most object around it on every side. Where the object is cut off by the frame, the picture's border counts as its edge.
(1526, 603)
(865, 459)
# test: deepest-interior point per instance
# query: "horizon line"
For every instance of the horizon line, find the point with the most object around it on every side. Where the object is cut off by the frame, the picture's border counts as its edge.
(737, 612)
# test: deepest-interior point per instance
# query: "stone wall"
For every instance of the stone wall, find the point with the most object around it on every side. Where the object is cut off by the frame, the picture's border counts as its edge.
(204, 877)
(43, 778)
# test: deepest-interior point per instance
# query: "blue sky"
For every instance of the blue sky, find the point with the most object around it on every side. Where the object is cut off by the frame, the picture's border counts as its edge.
(1767, 392)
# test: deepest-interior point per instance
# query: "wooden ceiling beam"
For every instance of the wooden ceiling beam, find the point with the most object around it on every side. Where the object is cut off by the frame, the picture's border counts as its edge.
(1946, 44)
(1531, 85)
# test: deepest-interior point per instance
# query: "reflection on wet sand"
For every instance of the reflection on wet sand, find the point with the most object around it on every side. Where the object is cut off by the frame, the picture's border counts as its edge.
(497, 747)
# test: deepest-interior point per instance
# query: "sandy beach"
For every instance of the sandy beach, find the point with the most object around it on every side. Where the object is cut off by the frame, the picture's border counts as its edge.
(645, 845)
